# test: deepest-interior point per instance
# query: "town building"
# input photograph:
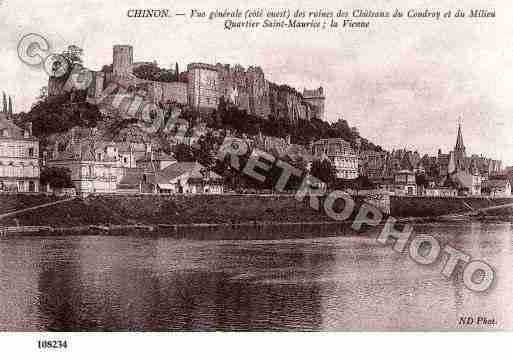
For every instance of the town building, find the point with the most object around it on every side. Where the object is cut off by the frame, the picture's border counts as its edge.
(188, 177)
(177, 178)
(440, 191)
(405, 184)
(497, 187)
(19, 157)
(340, 154)
(96, 166)
(154, 160)
(372, 164)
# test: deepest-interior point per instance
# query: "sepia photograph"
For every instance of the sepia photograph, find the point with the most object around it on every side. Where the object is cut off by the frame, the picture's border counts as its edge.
(224, 166)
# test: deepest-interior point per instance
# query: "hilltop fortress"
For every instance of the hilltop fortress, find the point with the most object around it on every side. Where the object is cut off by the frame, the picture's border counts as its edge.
(204, 85)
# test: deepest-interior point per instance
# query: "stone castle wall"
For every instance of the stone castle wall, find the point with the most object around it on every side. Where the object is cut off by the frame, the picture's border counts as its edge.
(247, 89)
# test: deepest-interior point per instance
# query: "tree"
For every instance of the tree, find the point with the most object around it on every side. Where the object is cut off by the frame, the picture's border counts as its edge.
(10, 106)
(152, 72)
(5, 104)
(421, 180)
(184, 153)
(177, 73)
(56, 177)
(73, 54)
(43, 94)
(57, 115)
(205, 150)
(324, 171)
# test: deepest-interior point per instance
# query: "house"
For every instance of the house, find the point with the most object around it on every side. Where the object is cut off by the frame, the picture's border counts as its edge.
(385, 184)
(497, 187)
(468, 183)
(340, 154)
(19, 158)
(404, 183)
(439, 191)
(179, 177)
(152, 160)
(96, 166)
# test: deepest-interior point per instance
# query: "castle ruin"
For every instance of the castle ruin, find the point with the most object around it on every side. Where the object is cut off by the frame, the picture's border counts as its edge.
(206, 84)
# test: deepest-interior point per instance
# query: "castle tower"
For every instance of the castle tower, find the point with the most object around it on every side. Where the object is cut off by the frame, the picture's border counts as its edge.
(122, 60)
(459, 152)
(203, 91)
(316, 99)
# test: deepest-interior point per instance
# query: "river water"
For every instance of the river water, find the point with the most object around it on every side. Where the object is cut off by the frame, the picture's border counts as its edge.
(335, 283)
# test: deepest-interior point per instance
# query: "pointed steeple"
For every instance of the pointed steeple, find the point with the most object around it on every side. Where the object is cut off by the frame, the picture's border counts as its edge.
(459, 140)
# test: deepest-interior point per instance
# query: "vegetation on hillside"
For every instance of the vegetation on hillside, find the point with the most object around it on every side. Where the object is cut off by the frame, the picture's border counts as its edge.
(153, 72)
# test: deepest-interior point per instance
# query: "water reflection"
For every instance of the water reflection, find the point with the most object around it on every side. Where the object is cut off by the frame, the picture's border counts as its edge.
(159, 284)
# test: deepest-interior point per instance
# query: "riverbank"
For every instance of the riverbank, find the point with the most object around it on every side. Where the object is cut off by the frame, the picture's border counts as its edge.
(423, 206)
(129, 210)
(23, 214)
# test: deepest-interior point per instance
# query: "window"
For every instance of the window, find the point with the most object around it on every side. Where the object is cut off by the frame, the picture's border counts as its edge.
(31, 152)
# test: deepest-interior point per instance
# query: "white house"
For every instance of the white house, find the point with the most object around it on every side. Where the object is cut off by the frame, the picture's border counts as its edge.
(340, 154)
(19, 158)
(186, 177)
(500, 187)
(405, 184)
(96, 166)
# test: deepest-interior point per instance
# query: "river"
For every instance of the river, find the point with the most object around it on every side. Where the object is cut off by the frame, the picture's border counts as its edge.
(335, 283)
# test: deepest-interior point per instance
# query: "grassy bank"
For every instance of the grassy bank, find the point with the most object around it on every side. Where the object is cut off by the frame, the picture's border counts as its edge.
(125, 210)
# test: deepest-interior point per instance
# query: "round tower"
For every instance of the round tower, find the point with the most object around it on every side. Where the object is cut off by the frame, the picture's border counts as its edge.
(122, 60)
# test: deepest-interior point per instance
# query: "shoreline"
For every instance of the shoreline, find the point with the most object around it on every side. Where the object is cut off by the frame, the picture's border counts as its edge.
(178, 215)
(242, 230)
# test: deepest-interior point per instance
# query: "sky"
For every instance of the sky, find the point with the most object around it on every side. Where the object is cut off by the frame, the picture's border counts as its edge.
(404, 83)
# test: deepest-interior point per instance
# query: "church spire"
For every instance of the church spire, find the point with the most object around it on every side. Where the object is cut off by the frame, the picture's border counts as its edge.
(459, 140)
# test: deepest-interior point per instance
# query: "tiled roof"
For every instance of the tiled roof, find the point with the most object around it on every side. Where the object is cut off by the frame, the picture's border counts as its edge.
(499, 182)
(180, 168)
(131, 179)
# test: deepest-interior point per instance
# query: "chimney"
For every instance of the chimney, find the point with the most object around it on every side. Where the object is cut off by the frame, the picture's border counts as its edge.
(30, 128)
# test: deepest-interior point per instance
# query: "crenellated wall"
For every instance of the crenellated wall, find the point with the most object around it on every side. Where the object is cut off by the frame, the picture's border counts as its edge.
(248, 89)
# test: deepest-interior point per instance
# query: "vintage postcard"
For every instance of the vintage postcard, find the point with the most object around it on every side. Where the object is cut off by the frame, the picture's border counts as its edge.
(201, 166)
